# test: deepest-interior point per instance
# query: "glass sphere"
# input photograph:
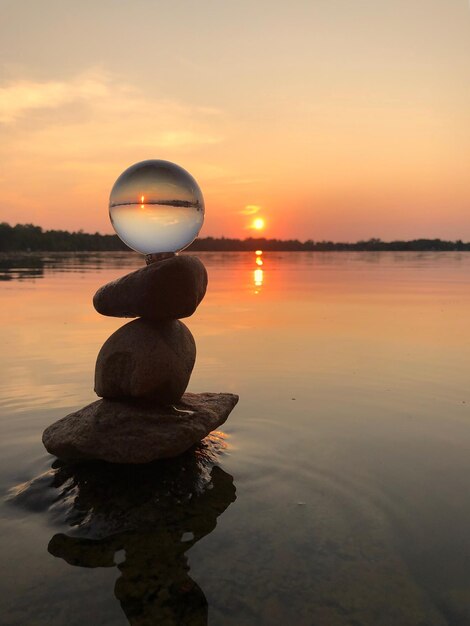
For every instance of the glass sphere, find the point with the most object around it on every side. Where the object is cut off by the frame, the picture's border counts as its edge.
(156, 206)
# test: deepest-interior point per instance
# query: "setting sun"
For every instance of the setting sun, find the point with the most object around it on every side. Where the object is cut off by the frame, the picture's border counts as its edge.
(258, 223)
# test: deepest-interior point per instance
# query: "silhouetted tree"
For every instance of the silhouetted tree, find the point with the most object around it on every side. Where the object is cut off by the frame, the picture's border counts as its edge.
(28, 237)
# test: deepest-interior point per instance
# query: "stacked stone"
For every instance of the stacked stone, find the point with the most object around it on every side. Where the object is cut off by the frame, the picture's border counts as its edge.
(152, 357)
(142, 372)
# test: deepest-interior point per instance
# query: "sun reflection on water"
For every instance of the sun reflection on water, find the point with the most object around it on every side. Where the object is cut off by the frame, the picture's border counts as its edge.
(258, 277)
(258, 274)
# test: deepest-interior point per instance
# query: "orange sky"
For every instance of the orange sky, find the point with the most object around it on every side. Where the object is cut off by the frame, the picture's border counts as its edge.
(329, 119)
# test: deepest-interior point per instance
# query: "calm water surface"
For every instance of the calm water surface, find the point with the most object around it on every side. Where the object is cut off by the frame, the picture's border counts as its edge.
(337, 494)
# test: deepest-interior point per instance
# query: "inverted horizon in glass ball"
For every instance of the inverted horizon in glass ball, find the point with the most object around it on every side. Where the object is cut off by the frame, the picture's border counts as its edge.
(156, 206)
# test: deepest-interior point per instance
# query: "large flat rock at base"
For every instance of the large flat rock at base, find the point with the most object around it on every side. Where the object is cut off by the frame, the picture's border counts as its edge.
(124, 432)
(171, 288)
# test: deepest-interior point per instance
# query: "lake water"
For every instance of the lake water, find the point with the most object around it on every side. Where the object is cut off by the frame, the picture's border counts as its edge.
(337, 493)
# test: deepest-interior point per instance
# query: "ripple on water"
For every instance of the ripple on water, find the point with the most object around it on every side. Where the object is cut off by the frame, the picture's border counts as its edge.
(140, 519)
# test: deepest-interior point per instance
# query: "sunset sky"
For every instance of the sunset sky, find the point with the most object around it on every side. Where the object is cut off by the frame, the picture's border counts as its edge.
(327, 119)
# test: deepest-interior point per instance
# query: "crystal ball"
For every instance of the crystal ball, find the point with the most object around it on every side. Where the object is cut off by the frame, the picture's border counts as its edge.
(156, 206)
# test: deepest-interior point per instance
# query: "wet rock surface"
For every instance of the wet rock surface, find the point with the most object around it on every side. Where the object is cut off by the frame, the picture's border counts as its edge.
(123, 432)
(146, 360)
(171, 288)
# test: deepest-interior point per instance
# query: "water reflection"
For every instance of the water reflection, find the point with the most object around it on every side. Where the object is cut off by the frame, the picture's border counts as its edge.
(32, 265)
(142, 520)
(351, 500)
(258, 274)
(21, 267)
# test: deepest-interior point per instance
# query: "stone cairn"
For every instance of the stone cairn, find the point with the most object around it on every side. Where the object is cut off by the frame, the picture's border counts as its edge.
(142, 372)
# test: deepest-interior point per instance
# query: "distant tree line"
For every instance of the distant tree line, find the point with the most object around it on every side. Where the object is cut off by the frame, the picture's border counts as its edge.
(293, 245)
(27, 237)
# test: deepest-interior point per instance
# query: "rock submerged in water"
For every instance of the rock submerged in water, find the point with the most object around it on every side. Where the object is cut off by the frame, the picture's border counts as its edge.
(121, 432)
(171, 288)
(146, 360)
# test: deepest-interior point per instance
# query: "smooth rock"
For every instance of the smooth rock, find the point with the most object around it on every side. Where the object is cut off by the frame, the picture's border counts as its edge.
(146, 360)
(171, 288)
(122, 432)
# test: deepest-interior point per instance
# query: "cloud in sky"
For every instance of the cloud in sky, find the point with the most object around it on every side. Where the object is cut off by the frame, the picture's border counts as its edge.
(20, 97)
(100, 101)
(76, 135)
(250, 209)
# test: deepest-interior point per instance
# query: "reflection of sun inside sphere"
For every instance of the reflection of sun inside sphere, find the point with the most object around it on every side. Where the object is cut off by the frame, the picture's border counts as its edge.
(156, 206)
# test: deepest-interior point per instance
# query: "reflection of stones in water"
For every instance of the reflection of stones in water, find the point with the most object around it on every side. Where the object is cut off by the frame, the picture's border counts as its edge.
(142, 520)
